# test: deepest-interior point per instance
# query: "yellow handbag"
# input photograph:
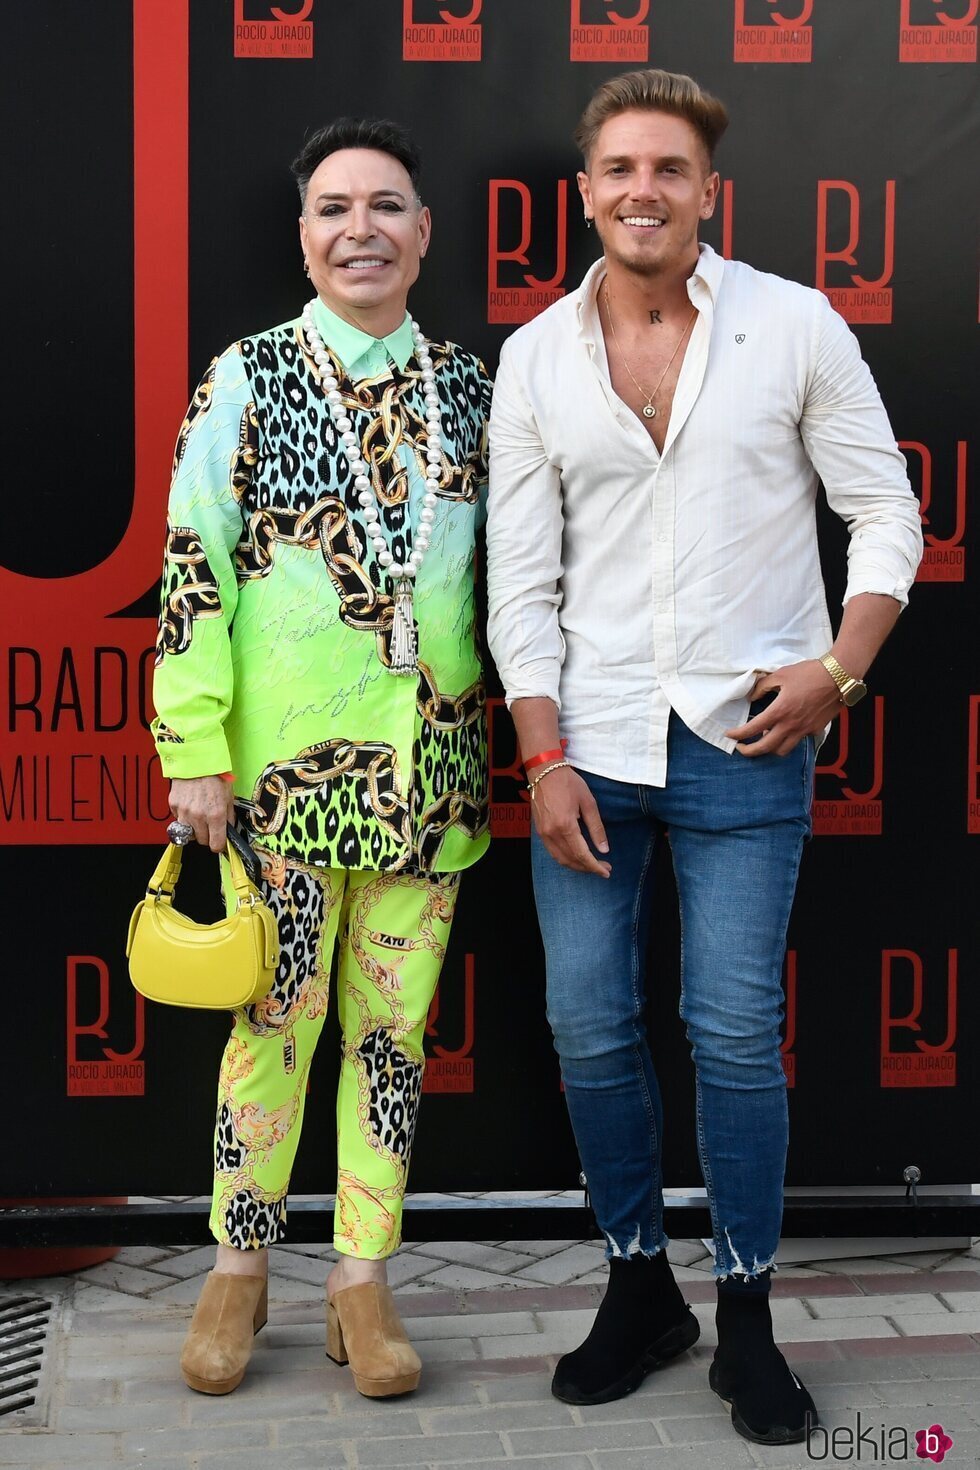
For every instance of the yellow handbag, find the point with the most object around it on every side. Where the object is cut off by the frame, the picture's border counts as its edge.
(208, 966)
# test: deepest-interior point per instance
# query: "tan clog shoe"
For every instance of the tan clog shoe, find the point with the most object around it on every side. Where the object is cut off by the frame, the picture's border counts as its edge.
(230, 1311)
(365, 1330)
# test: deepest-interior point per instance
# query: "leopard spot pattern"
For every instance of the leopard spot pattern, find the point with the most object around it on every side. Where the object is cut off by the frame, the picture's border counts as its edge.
(299, 912)
(230, 1153)
(251, 1222)
(394, 1087)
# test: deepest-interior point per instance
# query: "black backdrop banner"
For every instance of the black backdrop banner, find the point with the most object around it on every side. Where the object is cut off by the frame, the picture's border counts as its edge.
(148, 141)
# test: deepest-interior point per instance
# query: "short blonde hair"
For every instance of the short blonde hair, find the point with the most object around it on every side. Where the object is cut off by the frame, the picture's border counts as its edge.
(653, 91)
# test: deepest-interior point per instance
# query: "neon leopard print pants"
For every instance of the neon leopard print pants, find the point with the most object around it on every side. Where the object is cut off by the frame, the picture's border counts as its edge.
(392, 931)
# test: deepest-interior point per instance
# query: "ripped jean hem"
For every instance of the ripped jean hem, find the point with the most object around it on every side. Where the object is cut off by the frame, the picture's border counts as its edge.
(735, 1266)
(633, 1247)
(721, 1274)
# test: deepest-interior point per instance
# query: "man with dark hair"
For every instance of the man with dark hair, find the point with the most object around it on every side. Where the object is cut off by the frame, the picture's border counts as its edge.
(378, 134)
(659, 621)
(317, 674)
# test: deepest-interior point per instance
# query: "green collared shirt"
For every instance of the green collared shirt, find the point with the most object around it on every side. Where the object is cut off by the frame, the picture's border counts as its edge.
(362, 355)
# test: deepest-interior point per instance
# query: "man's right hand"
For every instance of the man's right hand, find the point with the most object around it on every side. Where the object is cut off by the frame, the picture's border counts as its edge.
(206, 803)
(562, 804)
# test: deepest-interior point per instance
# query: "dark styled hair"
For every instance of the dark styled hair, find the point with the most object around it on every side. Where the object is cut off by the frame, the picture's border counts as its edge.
(653, 91)
(356, 132)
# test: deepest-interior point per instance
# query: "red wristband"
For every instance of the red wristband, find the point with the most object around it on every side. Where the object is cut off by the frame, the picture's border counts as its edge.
(226, 775)
(545, 756)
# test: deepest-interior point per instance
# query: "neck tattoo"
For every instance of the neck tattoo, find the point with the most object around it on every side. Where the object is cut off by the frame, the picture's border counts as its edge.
(648, 410)
(656, 320)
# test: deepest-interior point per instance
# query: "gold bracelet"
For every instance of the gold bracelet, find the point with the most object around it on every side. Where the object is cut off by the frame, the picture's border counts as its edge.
(538, 779)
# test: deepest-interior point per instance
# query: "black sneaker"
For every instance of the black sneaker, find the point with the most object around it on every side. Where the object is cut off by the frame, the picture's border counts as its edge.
(786, 1424)
(579, 1379)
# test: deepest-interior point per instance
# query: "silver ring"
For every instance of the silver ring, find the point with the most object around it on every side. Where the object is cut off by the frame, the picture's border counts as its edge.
(180, 833)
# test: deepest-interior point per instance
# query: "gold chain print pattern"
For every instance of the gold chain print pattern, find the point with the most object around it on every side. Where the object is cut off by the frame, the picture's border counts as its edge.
(391, 931)
(383, 1010)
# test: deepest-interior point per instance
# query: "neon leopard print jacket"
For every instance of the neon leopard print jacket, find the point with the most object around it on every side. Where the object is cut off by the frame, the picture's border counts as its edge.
(275, 624)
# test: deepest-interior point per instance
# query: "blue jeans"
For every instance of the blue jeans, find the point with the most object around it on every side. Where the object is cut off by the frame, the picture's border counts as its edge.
(736, 828)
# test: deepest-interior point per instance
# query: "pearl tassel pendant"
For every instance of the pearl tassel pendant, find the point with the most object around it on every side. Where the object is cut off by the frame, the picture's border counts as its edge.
(404, 641)
(404, 646)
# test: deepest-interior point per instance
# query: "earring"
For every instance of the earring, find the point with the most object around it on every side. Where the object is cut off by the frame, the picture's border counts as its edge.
(588, 221)
(306, 267)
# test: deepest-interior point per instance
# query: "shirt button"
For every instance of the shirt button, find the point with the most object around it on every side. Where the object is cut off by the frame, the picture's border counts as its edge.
(662, 536)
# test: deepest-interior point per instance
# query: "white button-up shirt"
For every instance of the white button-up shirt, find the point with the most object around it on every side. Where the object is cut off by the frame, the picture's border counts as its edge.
(624, 583)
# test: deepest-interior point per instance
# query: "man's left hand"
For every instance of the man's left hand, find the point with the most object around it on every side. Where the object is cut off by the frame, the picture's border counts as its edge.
(807, 701)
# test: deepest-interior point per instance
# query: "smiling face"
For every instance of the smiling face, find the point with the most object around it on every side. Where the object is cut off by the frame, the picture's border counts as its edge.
(649, 183)
(363, 233)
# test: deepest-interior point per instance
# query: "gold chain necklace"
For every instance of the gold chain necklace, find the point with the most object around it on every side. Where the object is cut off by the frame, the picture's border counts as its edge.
(648, 411)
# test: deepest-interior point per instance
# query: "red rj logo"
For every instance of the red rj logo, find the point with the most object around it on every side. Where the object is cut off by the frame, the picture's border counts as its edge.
(451, 1069)
(789, 1040)
(865, 300)
(944, 557)
(927, 1065)
(109, 1073)
(510, 808)
(850, 812)
(601, 31)
(449, 32)
(768, 34)
(973, 767)
(929, 32)
(719, 236)
(281, 32)
(519, 303)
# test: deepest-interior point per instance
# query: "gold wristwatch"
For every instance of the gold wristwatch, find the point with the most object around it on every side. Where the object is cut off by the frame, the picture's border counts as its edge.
(849, 688)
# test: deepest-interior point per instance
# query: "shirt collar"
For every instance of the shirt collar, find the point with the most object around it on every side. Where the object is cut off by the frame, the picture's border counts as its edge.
(350, 344)
(705, 281)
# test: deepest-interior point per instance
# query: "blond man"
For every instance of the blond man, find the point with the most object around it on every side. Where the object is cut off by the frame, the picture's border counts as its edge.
(657, 607)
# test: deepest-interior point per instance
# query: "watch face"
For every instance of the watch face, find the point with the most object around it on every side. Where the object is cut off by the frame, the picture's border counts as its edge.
(855, 691)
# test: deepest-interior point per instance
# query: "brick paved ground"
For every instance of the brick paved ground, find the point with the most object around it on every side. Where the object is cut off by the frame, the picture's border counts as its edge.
(894, 1338)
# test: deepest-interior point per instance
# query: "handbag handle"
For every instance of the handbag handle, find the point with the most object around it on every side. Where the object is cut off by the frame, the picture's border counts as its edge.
(251, 863)
(164, 878)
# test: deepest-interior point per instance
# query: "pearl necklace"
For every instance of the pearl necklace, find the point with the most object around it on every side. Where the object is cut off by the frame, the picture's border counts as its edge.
(404, 644)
